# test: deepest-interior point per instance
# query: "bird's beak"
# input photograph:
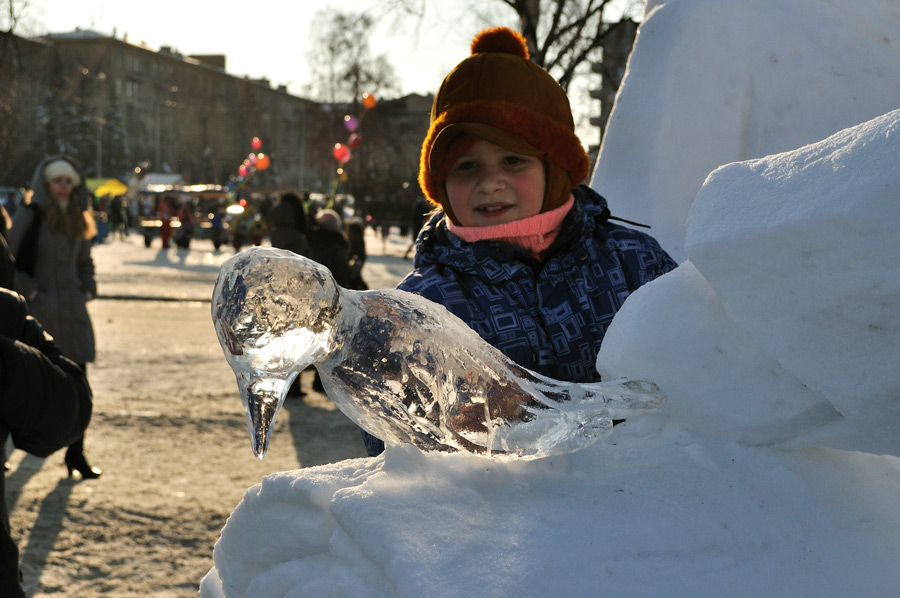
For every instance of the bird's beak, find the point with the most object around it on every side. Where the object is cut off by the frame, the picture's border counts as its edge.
(262, 398)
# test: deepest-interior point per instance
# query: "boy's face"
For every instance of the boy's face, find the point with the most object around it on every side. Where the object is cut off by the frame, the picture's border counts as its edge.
(491, 185)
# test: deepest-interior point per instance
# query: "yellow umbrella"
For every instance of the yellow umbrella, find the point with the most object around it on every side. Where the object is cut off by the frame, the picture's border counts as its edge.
(111, 187)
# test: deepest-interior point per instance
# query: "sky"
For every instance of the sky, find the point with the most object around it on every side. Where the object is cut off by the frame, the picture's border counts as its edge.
(269, 38)
(273, 40)
(774, 467)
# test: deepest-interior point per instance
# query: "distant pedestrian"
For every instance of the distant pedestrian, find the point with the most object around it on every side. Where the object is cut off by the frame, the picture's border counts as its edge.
(258, 229)
(287, 230)
(329, 246)
(219, 232)
(185, 225)
(7, 262)
(356, 236)
(118, 217)
(287, 224)
(164, 211)
(420, 211)
(51, 238)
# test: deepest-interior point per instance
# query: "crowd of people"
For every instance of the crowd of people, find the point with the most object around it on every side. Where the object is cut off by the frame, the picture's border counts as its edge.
(510, 241)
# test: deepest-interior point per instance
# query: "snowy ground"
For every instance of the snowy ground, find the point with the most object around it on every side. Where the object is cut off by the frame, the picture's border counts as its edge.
(168, 431)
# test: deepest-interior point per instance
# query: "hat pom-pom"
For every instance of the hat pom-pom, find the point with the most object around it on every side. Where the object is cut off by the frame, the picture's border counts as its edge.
(500, 39)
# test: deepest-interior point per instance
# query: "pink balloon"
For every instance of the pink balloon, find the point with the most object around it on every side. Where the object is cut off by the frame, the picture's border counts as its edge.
(350, 123)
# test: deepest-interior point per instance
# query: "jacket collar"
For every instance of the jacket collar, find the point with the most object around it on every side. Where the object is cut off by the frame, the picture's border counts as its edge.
(437, 245)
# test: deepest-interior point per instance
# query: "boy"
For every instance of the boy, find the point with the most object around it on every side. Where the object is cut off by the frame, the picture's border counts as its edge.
(519, 250)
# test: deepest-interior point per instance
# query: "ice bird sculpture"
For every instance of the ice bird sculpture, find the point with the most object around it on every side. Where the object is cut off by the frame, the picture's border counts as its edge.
(400, 366)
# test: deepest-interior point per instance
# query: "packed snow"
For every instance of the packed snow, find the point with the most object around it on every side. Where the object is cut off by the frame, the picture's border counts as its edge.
(718, 81)
(774, 467)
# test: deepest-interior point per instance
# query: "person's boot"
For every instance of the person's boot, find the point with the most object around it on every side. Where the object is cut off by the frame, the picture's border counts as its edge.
(75, 461)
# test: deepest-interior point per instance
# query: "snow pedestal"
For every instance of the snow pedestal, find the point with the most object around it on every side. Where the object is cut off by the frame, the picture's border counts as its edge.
(655, 512)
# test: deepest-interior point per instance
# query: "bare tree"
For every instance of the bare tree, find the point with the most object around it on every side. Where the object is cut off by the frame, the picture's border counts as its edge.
(9, 15)
(18, 16)
(572, 39)
(342, 67)
(564, 36)
(17, 98)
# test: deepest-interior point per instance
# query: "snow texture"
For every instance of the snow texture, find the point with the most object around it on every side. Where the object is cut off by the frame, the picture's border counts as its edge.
(773, 468)
(716, 81)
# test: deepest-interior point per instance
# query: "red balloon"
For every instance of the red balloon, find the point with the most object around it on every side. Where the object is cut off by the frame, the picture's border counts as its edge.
(262, 161)
(355, 141)
(256, 143)
(341, 153)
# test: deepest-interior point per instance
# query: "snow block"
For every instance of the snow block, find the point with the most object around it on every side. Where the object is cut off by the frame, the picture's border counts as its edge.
(711, 82)
(803, 249)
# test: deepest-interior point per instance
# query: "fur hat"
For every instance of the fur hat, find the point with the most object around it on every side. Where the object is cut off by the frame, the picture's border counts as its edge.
(329, 220)
(62, 167)
(500, 95)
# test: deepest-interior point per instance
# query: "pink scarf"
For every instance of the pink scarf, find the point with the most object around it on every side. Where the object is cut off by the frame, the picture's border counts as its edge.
(533, 234)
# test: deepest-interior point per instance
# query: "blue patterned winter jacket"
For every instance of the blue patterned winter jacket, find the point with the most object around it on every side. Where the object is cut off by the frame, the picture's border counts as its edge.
(549, 317)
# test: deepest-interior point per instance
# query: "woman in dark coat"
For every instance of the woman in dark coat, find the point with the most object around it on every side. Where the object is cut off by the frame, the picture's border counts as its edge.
(329, 246)
(287, 225)
(45, 404)
(51, 238)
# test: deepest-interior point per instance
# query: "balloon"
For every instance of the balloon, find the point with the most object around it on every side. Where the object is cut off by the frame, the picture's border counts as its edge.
(355, 141)
(368, 100)
(350, 123)
(256, 143)
(242, 170)
(251, 159)
(262, 162)
(341, 153)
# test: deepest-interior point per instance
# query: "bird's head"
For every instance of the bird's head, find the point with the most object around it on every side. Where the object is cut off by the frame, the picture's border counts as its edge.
(274, 313)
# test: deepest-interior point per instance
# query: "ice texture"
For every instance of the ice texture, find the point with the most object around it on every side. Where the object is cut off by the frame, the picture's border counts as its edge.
(402, 367)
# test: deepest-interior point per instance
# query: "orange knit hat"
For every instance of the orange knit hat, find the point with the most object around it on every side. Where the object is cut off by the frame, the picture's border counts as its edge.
(498, 94)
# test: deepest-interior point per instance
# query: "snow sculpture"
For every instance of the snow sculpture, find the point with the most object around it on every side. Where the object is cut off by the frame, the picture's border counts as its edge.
(400, 366)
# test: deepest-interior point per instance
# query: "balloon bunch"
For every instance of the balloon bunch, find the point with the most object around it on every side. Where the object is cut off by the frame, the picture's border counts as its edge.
(342, 152)
(255, 161)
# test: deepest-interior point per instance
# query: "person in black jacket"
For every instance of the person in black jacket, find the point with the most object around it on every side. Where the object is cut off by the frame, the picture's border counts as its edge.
(7, 261)
(45, 405)
(329, 246)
